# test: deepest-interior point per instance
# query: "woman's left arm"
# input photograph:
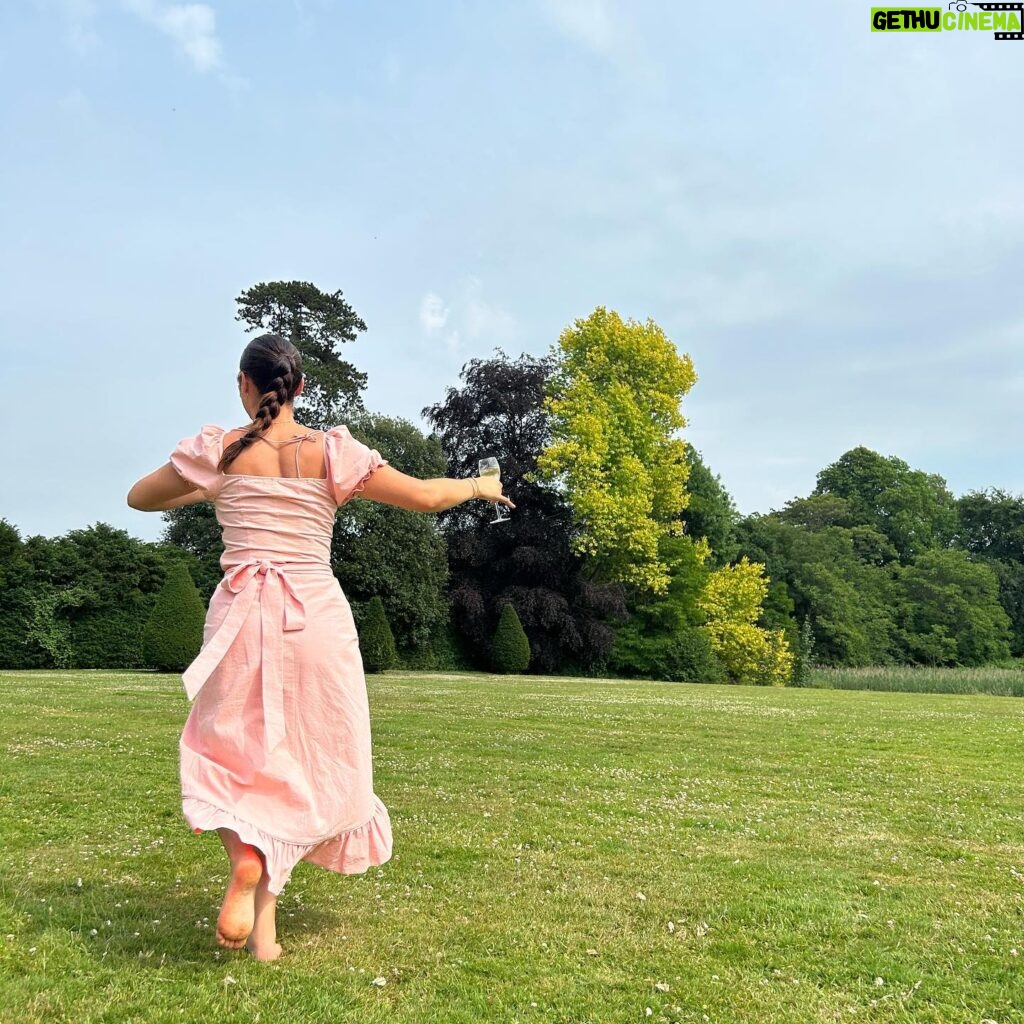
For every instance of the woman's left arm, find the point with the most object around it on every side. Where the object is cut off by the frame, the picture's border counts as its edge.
(164, 489)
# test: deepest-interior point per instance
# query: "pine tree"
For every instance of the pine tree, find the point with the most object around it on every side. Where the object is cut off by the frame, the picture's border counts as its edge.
(316, 323)
(173, 634)
(376, 641)
(803, 653)
(510, 651)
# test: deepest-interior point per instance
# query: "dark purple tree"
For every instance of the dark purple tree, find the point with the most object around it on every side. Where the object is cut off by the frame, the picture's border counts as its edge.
(499, 411)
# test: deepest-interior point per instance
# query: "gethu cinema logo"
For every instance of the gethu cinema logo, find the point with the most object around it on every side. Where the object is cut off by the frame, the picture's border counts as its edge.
(1003, 19)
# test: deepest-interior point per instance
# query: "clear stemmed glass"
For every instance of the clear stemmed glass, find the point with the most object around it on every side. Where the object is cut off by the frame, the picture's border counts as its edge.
(489, 467)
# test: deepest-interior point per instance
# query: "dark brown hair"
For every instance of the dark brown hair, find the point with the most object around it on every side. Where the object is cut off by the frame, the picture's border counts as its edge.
(274, 365)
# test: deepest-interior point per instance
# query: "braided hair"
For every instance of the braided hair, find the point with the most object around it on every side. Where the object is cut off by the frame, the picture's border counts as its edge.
(274, 365)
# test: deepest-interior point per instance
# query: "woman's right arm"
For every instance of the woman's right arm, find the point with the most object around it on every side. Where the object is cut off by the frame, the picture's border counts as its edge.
(393, 487)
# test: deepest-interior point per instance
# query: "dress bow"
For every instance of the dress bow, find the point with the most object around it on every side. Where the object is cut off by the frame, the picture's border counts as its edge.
(281, 610)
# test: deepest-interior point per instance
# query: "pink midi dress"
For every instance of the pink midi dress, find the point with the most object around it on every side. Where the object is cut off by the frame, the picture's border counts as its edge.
(277, 744)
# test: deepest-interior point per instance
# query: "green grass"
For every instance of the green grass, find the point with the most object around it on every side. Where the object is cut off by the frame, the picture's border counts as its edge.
(565, 850)
(999, 682)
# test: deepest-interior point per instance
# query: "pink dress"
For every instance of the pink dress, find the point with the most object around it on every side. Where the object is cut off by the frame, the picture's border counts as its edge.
(277, 744)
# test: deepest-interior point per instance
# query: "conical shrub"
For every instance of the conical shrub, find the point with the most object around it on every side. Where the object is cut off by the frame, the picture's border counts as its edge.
(173, 634)
(376, 641)
(510, 650)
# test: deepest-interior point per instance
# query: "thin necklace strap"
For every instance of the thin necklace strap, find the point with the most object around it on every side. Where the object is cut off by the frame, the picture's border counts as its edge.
(287, 440)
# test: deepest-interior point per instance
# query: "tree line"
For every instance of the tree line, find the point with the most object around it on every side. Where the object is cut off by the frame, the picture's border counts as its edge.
(625, 555)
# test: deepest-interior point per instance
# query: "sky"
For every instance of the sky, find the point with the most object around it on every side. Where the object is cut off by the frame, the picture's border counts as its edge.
(829, 221)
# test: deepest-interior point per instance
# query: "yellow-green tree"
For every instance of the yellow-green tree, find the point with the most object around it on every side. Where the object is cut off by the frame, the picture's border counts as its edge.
(732, 599)
(614, 407)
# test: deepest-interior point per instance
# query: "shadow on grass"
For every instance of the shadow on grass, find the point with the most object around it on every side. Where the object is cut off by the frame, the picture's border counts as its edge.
(139, 922)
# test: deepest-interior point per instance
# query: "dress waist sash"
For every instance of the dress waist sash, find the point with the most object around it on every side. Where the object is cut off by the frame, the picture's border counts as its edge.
(281, 610)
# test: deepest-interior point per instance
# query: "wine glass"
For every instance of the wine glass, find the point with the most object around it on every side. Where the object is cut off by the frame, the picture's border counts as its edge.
(489, 467)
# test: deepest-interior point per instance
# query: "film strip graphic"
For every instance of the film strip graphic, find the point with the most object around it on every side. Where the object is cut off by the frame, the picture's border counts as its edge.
(1018, 7)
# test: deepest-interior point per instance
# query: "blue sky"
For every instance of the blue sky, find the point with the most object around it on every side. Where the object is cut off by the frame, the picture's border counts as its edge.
(830, 221)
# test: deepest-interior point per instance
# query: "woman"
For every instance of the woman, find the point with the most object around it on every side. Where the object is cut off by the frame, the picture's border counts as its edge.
(276, 752)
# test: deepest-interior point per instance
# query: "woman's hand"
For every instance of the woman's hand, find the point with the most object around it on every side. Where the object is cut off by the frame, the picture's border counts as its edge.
(490, 488)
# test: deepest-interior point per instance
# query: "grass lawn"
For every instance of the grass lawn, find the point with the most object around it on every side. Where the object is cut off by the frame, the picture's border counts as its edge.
(565, 850)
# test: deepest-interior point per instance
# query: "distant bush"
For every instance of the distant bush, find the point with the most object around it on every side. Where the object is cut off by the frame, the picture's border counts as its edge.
(376, 641)
(733, 598)
(685, 657)
(443, 652)
(173, 634)
(510, 650)
(112, 637)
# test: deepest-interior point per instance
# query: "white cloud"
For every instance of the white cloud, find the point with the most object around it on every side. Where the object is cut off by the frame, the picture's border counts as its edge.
(468, 319)
(193, 28)
(483, 320)
(433, 313)
(79, 18)
(587, 21)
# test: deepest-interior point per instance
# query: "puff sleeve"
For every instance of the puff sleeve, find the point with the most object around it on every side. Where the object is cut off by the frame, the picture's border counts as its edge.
(349, 462)
(196, 458)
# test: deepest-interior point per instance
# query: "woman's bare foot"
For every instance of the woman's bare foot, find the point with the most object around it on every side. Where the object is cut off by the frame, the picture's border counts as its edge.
(271, 951)
(262, 943)
(238, 912)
